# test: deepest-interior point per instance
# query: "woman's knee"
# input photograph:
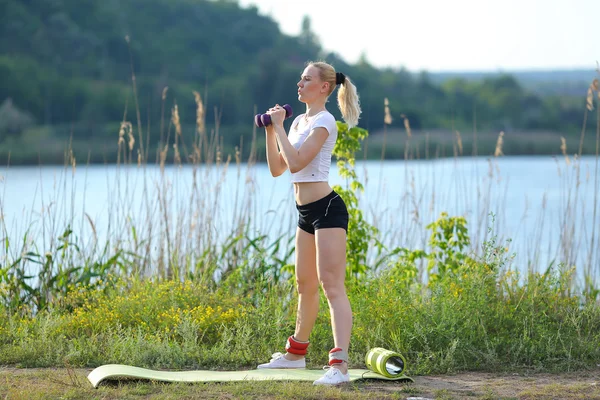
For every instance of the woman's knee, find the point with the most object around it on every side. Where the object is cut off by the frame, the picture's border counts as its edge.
(307, 286)
(333, 288)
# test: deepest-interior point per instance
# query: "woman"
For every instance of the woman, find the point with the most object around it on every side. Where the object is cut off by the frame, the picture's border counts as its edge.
(322, 214)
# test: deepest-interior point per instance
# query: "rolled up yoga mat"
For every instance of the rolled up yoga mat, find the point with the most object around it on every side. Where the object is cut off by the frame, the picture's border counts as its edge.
(385, 362)
(382, 364)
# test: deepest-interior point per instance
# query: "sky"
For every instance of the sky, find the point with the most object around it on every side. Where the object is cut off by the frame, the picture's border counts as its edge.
(443, 36)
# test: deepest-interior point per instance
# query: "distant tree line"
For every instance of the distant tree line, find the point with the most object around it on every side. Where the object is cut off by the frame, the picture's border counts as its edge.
(68, 64)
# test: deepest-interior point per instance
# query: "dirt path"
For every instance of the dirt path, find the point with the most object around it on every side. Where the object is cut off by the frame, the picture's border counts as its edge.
(50, 383)
(582, 385)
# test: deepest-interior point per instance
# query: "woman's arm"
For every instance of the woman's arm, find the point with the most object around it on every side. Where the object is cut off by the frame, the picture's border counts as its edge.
(296, 160)
(277, 165)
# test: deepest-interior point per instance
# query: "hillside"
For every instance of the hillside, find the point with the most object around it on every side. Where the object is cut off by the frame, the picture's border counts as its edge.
(67, 76)
(571, 82)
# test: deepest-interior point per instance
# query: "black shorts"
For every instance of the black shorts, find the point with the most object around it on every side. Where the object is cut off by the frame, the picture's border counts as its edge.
(328, 212)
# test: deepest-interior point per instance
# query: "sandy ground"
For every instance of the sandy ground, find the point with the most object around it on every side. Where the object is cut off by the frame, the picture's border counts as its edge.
(575, 385)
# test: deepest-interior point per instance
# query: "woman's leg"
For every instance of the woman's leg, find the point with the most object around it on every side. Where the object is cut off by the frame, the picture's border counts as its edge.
(331, 269)
(307, 284)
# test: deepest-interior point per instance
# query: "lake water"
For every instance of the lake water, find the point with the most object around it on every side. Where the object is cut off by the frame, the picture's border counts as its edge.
(545, 205)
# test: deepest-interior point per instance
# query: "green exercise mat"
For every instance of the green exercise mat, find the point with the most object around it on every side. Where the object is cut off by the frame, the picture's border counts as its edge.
(112, 371)
(383, 364)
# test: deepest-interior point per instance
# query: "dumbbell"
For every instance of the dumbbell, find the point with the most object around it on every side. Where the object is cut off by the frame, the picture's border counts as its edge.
(262, 120)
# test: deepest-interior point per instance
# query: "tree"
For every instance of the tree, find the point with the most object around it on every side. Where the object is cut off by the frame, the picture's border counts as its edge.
(12, 120)
(307, 37)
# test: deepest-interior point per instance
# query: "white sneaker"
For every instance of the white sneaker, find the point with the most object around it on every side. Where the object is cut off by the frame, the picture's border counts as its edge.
(279, 361)
(333, 376)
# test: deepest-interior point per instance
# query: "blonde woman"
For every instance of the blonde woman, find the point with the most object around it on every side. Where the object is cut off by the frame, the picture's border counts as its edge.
(322, 214)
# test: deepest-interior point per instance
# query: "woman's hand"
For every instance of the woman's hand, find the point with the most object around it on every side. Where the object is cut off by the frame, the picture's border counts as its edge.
(277, 114)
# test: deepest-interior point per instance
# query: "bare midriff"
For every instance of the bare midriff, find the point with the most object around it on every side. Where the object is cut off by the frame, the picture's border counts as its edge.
(307, 192)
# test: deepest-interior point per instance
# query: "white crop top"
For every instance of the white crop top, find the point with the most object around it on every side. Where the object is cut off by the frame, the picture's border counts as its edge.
(318, 169)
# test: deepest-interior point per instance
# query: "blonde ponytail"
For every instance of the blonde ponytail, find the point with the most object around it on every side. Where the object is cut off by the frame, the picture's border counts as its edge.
(349, 103)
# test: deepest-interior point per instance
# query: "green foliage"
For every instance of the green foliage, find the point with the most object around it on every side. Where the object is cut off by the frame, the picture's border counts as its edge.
(449, 240)
(243, 264)
(12, 120)
(480, 316)
(58, 273)
(495, 255)
(447, 253)
(448, 243)
(360, 232)
(247, 265)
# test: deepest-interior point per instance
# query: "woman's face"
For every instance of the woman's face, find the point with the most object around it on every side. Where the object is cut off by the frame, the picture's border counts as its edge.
(310, 86)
